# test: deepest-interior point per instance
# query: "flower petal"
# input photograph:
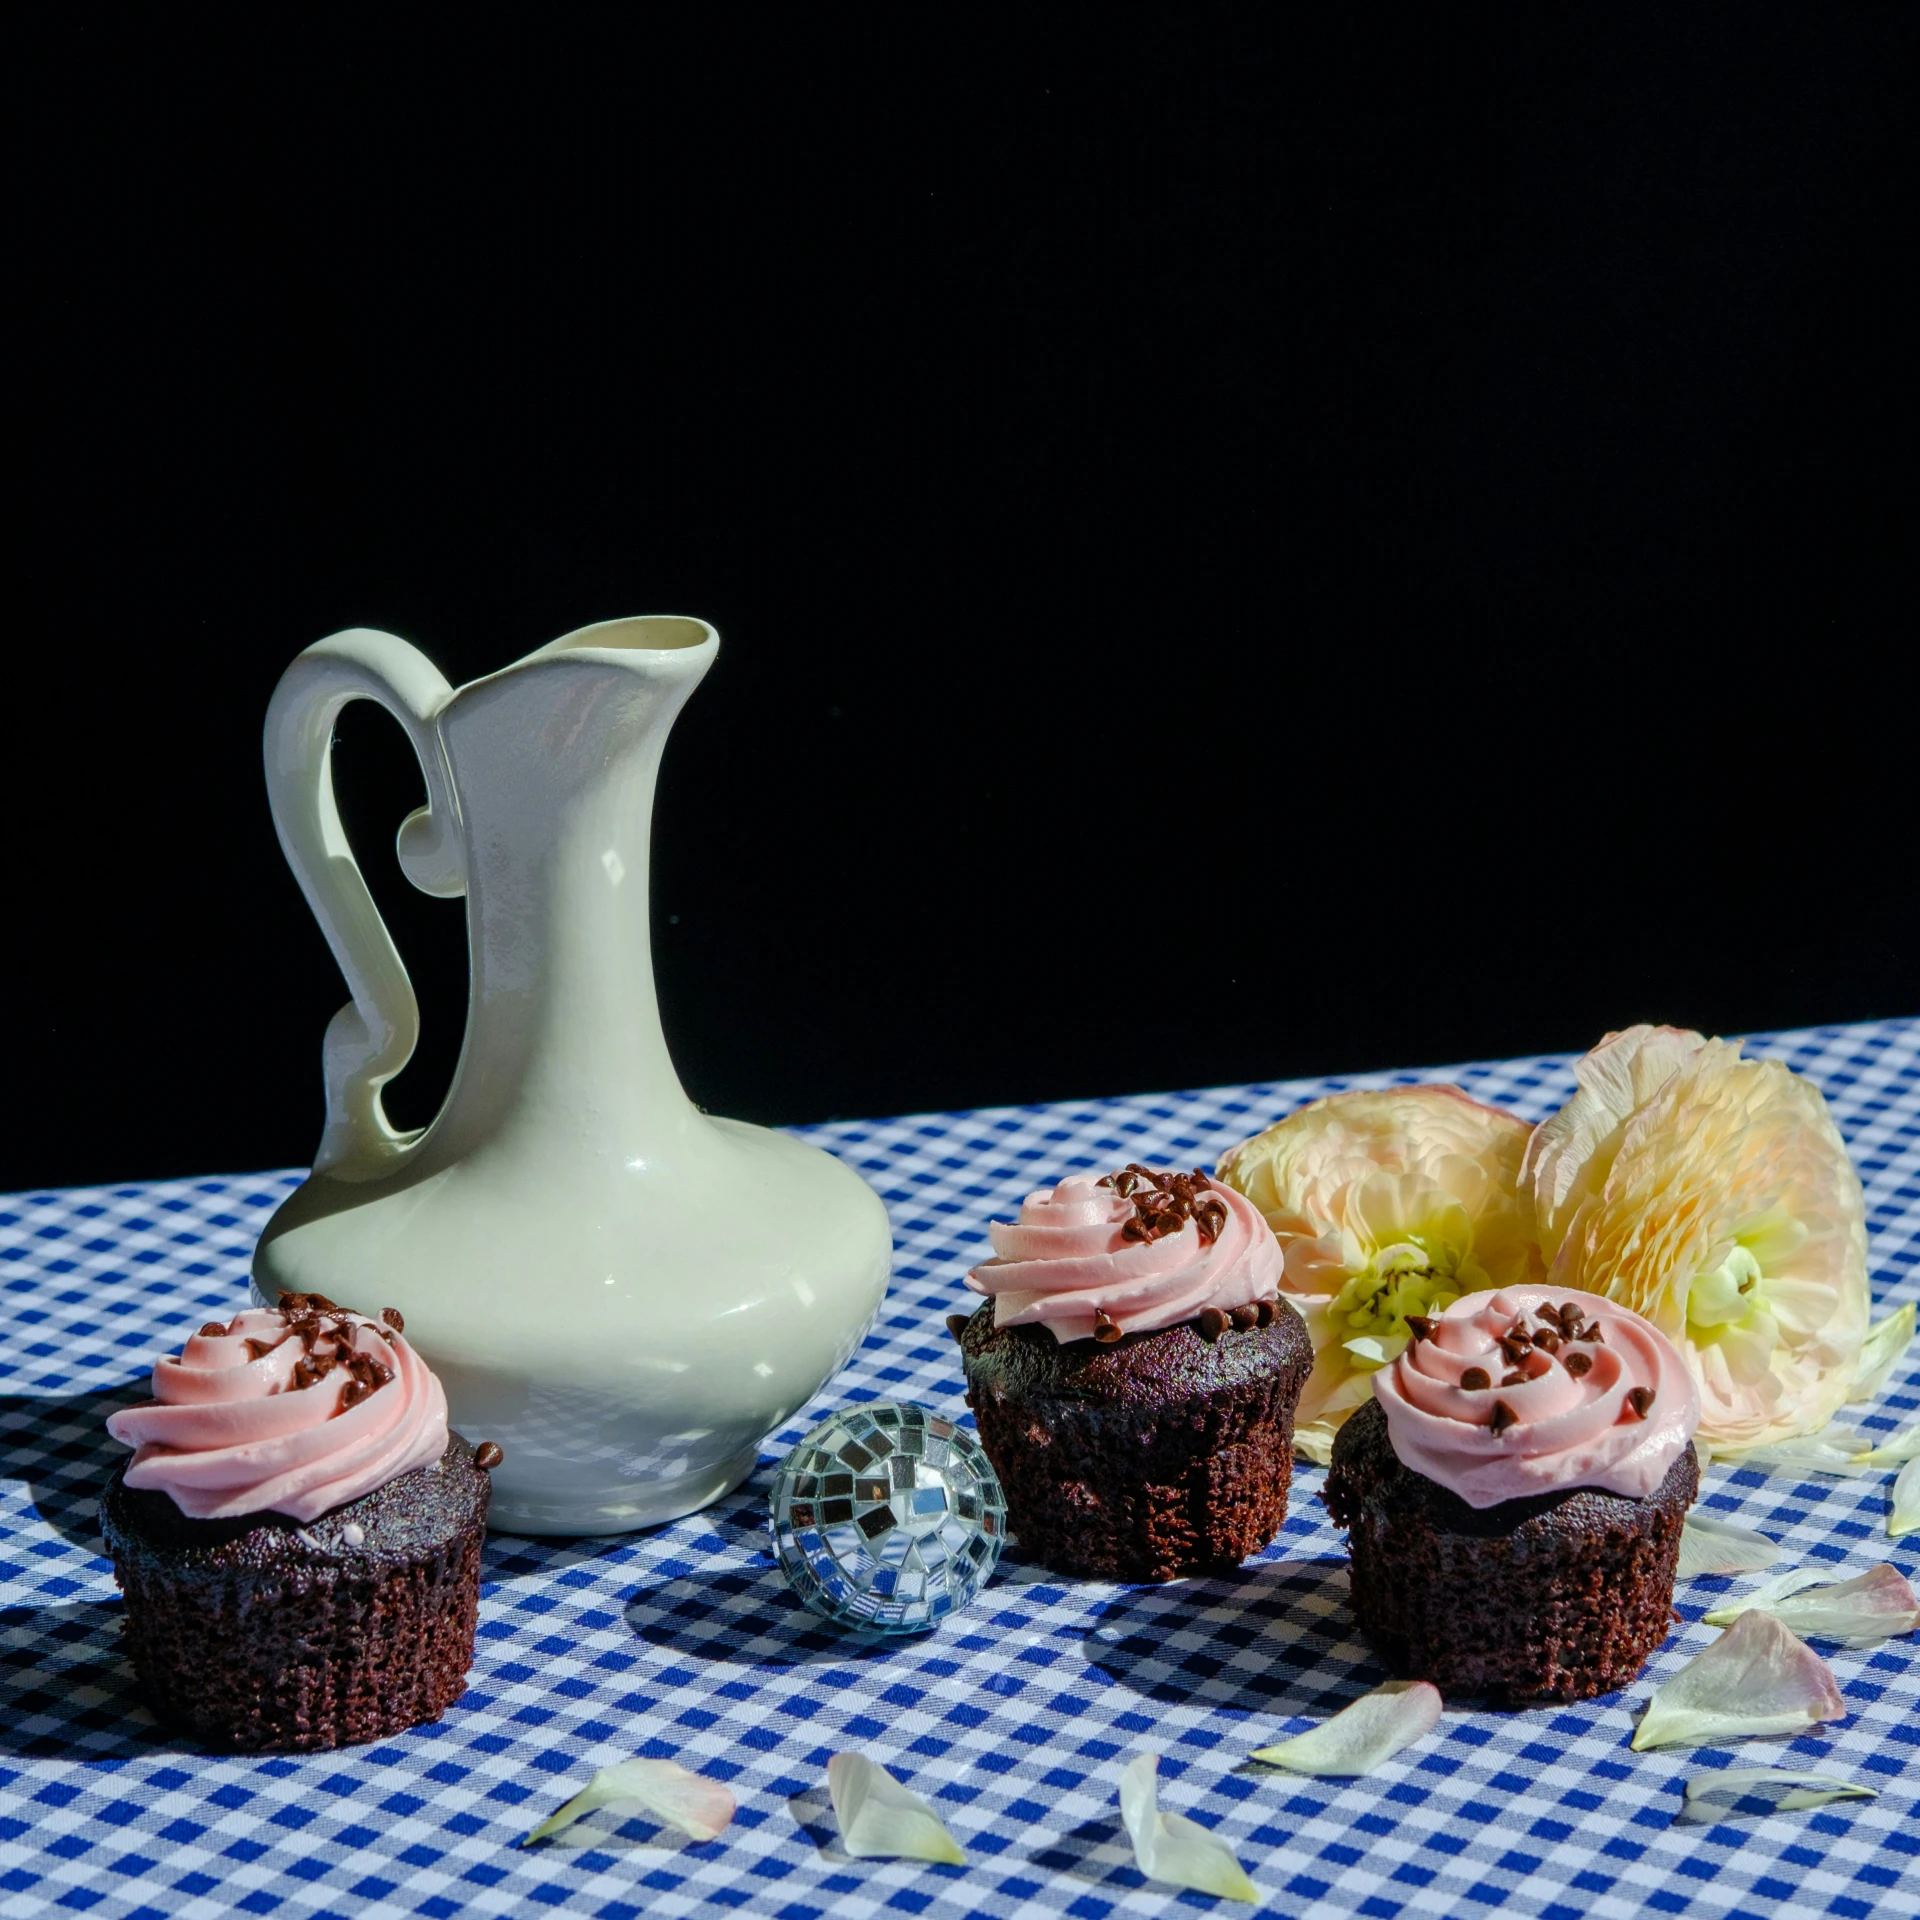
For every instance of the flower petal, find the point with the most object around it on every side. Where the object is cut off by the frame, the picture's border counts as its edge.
(1896, 1452)
(1765, 1595)
(1718, 1546)
(1740, 1791)
(696, 1805)
(879, 1819)
(1874, 1606)
(1755, 1680)
(1170, 1847)
(1881, 1353)
(1834, 1450)
(1363, 1735)
(1903, 1515)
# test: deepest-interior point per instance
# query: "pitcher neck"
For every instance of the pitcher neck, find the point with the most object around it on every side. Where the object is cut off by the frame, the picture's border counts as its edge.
(556, 784)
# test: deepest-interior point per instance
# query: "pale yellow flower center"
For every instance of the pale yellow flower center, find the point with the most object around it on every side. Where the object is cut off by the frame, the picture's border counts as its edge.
(1732, 1304)
(1728, 1292)
(1417, 1274)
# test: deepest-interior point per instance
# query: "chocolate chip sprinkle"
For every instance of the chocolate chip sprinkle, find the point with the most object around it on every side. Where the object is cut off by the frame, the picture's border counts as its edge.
(1246, 1318)
(1579, 1363)
(1513, 1380)
(213, 1330)
(1104, 1330)
(1591, 1332)
(391, 1315)
(1547, 1342)
(1266, 1312)
(1213, 1323)
(488, 1455)
(1420, 1326)
(1640, 1399)
(1502, 1417)
(1476, 1380)
(957, 1325)
(1163, 1203)
(1516, 1344)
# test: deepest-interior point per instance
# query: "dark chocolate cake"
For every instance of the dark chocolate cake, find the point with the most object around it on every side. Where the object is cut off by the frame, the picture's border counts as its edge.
(261, 1633)
(1558, 1596)
(1143, 1456)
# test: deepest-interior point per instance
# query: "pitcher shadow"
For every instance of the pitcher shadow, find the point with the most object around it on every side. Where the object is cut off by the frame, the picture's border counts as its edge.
(1275, 1638)
(59, 1450)
(68, 1693)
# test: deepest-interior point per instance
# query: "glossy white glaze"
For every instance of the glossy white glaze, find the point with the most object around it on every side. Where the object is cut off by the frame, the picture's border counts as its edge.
(624, 1293)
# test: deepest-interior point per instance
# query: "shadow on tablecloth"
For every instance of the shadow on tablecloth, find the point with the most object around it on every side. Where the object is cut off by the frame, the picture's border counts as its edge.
(60, 1451)
(1274, 1638)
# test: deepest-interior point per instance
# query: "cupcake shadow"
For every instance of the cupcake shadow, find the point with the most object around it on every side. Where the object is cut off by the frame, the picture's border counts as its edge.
(1277, 1637)
(59, 1450)
(66, 1690)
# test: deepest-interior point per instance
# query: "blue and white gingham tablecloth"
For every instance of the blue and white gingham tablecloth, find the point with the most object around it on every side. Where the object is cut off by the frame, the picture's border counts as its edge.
(1015, 1718)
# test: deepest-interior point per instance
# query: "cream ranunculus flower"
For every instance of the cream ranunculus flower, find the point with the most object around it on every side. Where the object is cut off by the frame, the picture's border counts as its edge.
(1385, 1204)
(1715, 1196)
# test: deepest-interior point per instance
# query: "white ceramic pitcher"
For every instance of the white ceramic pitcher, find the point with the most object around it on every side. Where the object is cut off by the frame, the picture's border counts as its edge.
(625, 1294)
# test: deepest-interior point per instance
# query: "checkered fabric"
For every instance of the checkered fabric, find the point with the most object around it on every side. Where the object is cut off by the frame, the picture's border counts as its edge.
(1014, 1718)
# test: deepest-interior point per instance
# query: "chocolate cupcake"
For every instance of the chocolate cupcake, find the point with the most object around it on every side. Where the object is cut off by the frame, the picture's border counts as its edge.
(297, 1534)
(1134, 1374)
(1513, 1496)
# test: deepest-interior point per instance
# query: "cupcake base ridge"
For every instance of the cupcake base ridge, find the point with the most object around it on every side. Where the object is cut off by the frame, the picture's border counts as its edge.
(1146, 1458)
(261, 1634)
(1559, 1596)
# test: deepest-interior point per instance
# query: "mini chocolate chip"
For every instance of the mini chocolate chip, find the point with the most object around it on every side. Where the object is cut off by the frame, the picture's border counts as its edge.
(957, 1325)
(1213, 1323)
(1579, 1363)
(1513, 1380)
(391, 1315)
(1547, 1342)
(1420, 1326)
(1592, 1332)
(487, 1455)
(1502, 1417)
(1640, 1399)
(1476, 1380)
(1246, 1317)
(1515, 1350)
(1105, 1331)
(1268, 1311)
(213, 1330)
(1570, 1314)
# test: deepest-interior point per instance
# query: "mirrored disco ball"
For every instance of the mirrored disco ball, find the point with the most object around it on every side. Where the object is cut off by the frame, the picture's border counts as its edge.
(887, 1517)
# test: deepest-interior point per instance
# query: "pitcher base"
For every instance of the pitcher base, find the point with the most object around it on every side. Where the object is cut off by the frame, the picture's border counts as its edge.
(634, 1508)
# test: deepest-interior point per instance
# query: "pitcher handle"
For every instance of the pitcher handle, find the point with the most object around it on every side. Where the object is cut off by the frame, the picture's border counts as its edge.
(372, 1037)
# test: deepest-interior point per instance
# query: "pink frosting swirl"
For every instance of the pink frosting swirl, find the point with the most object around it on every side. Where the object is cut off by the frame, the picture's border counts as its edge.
(1069, 1262)
(1562, 1406)
(284, 1411)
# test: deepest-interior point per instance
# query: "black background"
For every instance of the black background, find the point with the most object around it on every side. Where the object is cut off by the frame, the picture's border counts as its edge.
(1238, 554)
